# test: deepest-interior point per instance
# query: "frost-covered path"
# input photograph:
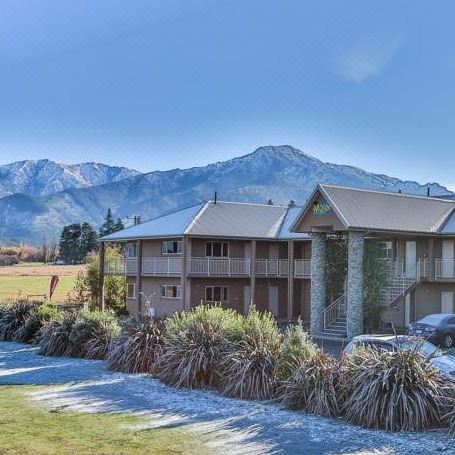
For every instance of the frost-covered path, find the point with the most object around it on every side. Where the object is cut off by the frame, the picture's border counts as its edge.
(231, 426)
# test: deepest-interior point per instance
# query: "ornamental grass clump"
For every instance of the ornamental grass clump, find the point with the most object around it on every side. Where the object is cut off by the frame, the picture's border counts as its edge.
(138, 348)
(193, 345)
(54, 338)
(251, 357)
(399, 391)
(13, 317)
(39, 316)
(92, 333)
(296, 348)
(312, 386)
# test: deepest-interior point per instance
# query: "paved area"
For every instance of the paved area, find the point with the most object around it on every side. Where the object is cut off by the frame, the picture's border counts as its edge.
(233, 426)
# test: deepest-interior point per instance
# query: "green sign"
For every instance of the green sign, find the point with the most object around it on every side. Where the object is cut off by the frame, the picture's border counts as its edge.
(321, 208)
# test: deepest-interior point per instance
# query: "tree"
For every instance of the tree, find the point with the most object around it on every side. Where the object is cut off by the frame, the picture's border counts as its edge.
(108, 227)
(69, 244)
(118, 225)
(89, 239)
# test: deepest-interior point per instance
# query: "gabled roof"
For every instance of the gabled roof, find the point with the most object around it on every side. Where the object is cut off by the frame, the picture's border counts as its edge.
(220, 219)
(382, 211)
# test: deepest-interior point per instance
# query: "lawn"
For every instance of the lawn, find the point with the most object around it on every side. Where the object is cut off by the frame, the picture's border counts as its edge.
(27, 428)
(28, 279)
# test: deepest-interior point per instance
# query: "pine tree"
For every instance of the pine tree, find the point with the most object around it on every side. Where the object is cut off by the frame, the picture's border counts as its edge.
(69, 243)
(119, 225)
(88, 241)
(109, 225)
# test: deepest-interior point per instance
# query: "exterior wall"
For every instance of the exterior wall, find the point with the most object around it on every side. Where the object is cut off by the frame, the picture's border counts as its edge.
(164, 306)
(236, 247)
(262, 295)
(302, 249)
(302, 300)
(131, 303)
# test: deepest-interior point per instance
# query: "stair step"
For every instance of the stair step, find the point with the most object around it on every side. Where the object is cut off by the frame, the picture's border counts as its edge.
(339, 333)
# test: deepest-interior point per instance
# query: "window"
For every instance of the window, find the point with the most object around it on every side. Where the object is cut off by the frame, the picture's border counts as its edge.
(386, 250)
(171, 247)
(217, 249)
(131, 250)
(216, 294)
(131, 290)
(170, 291)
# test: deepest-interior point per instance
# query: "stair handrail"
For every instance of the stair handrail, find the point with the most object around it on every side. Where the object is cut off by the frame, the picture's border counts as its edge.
(335, 310)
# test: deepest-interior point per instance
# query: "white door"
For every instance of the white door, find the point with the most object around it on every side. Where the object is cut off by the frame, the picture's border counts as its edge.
(246, 299)
(407, 310)
(447, 259)
(446, 302)
(411, 259)
(273, 300)
(248, 250)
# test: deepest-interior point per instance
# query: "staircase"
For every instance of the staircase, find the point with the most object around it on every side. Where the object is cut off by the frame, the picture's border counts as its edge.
(397, 288)
(335, 319)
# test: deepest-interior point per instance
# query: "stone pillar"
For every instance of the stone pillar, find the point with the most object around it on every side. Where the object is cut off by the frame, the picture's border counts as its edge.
(101, 277)
(318, 281)
(354, 316)
(139, 279)
(290, 313)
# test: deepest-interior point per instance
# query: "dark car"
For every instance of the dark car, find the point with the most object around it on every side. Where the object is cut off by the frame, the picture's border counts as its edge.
(437, 328)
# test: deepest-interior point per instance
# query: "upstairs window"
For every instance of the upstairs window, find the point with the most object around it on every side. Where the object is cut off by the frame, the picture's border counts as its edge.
(216, 294)
(217, 249)
(386, 250)
(131, 290)
(170, 291)
(171, 247)
(131, 250)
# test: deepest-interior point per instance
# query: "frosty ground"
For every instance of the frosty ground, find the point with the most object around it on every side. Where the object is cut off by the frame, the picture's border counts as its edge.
(231, 426)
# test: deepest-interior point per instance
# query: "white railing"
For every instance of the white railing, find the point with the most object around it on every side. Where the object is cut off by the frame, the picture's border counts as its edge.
(208, 266)
(120, 266)
(272, 267)
(302, 268)
(334, 311)
(445, 269)
(162, 266)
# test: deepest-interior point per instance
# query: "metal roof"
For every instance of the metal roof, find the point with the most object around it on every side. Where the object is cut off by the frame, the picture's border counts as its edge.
(286, 228)
(396, 212)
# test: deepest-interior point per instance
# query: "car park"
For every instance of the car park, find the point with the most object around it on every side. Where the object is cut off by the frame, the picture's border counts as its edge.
(437, 328)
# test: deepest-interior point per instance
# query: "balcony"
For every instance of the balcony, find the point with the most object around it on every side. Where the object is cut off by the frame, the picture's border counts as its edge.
(302, 268)
(272, 267)
(162, 266)
(208, 266)
(121, 266)
(445, 269)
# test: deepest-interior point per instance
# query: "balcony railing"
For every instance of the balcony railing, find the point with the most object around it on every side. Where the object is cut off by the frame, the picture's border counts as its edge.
(445, 269)
(302, 268)
(272, 267)
(208, 266)
(120, 266)
(162, 266)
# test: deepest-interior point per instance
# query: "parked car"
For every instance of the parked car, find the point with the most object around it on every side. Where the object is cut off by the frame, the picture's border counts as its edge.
(391, 343)
(439, 329)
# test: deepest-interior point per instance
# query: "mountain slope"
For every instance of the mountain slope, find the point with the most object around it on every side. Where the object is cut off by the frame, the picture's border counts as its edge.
(280, 173)
(44, 177)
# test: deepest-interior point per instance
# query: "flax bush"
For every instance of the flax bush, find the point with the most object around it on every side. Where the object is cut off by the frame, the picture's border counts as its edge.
(39, 316)
(13, 317)
(193, 345)
(251, 357)
(138, 348)
(312, 386)
(54, 339)
(398, 391)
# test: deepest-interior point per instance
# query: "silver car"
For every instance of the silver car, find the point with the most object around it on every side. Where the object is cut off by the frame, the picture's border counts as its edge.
(391, 343)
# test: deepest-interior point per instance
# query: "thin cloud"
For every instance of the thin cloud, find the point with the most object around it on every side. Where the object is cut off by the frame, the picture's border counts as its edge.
(366, 60)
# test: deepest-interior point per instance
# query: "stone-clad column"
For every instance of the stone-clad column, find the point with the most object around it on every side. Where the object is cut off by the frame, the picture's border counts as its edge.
(318, 282)
(354, 314)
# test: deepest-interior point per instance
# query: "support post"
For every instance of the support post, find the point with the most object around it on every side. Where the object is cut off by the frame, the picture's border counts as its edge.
(186, 281)
(354, 314)
(139, 279)
(253, 272)
(102, 254)
(290, 280)
(318, 282)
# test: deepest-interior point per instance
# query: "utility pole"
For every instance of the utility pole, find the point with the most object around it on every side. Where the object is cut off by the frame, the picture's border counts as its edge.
(136, 219)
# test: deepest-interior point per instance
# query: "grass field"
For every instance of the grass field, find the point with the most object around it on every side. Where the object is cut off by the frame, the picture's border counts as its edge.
(28, 279)
(27, 428)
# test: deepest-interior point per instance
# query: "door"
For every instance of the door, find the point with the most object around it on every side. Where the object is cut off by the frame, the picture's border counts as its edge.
(411, 259)
(447, 259)
(273, 300)
(446, 302)
(246, 299)
(407, 310)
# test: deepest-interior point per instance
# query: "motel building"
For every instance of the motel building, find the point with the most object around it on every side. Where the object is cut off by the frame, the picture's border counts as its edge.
(238, 254)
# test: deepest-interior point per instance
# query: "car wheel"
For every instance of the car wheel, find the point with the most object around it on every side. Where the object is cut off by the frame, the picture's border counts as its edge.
(448, 341)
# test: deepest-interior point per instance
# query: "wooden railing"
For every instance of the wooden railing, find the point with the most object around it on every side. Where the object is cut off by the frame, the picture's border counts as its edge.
(302, 268)
(334, 311)
(162, 266)
(209, 266)
(272, 267)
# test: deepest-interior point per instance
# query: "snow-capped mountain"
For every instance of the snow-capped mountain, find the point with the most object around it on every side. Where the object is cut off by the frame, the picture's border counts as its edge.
(279, 173)
(44, 177)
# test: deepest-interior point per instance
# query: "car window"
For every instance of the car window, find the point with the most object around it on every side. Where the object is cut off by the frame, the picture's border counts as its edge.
(433, 319)
(427, 349)
(451, 321)
(380, 345)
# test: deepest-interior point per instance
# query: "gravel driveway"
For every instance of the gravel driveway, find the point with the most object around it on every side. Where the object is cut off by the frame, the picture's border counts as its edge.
(232, 426)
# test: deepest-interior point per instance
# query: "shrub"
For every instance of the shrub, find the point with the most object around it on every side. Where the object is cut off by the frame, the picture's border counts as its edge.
(138, 348)
(38, 317)
(312, 385)
(296, 348)
(250, 358)
(193, 345)
(91, 334)
(398, 391)
(13, 318)
(55, 336)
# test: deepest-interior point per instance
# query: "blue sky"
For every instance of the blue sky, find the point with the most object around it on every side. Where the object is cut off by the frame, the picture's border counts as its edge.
(158, 84)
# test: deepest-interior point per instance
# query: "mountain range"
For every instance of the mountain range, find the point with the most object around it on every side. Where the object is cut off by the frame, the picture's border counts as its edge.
(37, 198)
